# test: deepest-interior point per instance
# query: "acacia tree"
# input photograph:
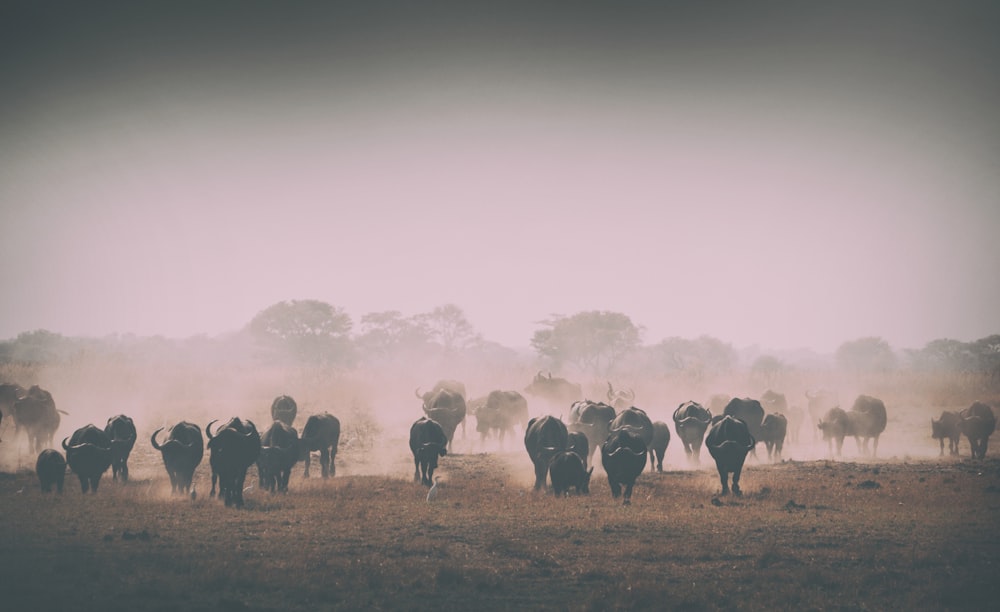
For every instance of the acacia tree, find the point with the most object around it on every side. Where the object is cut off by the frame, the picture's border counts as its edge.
(448, 326)
(385, 333)
(870, 354)
(594, 340)
(309, 331)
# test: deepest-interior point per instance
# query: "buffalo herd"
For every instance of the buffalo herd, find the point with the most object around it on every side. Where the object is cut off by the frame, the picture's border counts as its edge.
(560, 452)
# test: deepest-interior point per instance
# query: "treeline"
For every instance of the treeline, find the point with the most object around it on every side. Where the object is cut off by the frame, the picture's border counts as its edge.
(595, 343)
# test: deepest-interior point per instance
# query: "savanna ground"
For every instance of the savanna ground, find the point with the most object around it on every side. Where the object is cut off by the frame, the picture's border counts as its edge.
(907, 530)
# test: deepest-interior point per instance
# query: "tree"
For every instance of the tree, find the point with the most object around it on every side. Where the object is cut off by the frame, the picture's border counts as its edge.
(594, 341)
(766, 368)
(309, 331)
(388, 332)
(870, 354)
(448, 326)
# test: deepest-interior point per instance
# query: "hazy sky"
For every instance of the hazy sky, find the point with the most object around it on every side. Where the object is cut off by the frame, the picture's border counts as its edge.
(776, 174)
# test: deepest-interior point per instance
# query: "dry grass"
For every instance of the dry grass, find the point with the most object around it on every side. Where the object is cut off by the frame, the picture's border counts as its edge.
(906, 531)
(808, 535)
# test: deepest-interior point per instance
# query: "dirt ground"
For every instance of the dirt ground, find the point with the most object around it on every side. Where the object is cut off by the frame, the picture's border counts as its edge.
(897, 532)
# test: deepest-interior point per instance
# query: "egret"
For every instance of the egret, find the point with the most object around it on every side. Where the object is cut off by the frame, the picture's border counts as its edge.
(434, 490)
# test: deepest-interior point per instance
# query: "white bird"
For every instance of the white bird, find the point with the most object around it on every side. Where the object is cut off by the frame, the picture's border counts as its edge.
(434, 490)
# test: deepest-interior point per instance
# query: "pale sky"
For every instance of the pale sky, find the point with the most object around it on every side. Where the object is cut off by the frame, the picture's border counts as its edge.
(789, 178)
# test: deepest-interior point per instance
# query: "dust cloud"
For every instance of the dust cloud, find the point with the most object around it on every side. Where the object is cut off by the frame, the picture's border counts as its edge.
(377, 405)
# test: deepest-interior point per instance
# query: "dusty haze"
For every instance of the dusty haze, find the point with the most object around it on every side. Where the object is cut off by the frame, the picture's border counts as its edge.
(782, 175)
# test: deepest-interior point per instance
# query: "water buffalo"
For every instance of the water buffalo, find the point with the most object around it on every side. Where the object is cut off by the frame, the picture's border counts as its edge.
(545, 437)
(728, 442)
(233, 449)
(566, 470)
(445, 404)
(427, 442)
(638, 422)
(121, 430)
(623, 456)
(557, 392)
(658, 446)
(834, 428)
(501, 411)
(592, 419)
(866, 421)
(279, 450)
(89, 455)
(36, 414)
(9, 393)
(181, 452)
(576, 442)
(978, 423)
(51, 470)
(321, 433)
(284, 409)
(772, 431)
(620, 399)
(718, 402)
(749, 411)
(691, 420)
(819, 403)
(776, 403)
(947, 427)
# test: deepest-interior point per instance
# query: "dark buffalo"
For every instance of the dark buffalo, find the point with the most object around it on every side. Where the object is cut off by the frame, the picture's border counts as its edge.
(718, 402)
(279, 450)
(36, 414)
(566, 470)
(182, 452)
(445, 404)
(749, 411)
(556, 392)
(866, 421)
(638, 422)
(233, 449)
(620, 399)
(545, 437)
(592, 419)
(948, 427)
(121, 430)
(728, 442)
(978, 423)
(658, 446)
(576, 442)
(776, 403)
(500, 413)
(284, 409)
(9, 393)
(623, 456)
(427, 442)
(89, 455)
(834, 428)
(321, 433)
(691, 420)
(51, 470)
(819, 403)
(772, 432)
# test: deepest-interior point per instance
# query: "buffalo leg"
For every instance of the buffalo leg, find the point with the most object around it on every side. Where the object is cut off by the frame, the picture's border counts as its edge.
(628, 494)
(724, 478)
(616, 489)
(324, 461)
(540, 470)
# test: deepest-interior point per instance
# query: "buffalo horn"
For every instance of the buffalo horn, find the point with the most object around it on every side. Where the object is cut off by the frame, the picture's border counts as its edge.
(152, 439)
